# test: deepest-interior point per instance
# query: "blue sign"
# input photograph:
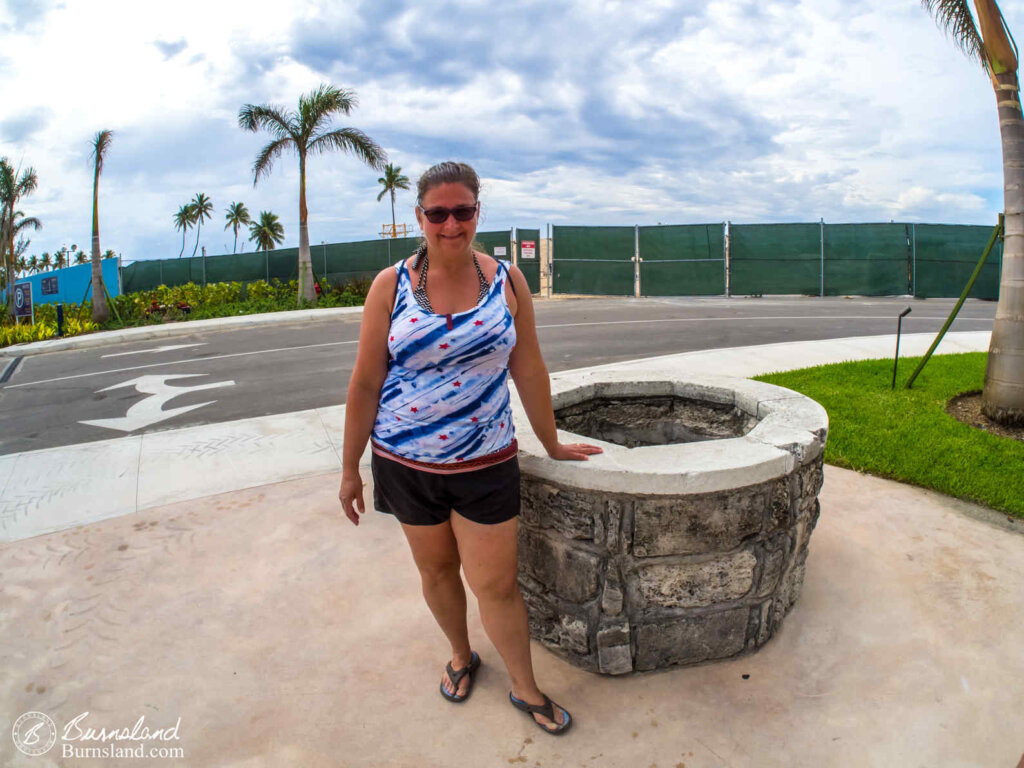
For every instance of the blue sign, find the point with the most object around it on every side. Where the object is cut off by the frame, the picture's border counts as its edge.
(23, 300)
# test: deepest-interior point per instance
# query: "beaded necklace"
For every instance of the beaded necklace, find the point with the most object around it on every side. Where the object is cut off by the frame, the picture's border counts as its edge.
(420, 291)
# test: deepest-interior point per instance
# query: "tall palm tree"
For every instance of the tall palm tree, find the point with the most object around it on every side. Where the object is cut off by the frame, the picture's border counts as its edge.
(33, 264)
(183, 219)
(12, 188)
(992, 46)
(21, 265)
(45, 263)
(392, 180)
(202, 209)
(266, 233)
(100, 146)
(305, 132)
(236, 216)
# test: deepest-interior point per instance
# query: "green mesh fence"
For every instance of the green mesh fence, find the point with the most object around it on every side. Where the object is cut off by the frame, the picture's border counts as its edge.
(497, 240)
(593, 260)
(774, 258)
(945, 255)
(867, 259)
(530, 267)
(683, 260)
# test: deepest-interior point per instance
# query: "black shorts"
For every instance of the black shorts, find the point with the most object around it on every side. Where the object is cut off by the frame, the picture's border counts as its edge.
(489, 495)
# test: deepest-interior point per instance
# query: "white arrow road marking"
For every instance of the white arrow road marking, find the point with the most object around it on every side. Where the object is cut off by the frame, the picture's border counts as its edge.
(149, 411)
(166, 348)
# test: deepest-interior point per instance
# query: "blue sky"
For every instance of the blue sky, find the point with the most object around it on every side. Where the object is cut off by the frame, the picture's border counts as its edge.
(586, 112)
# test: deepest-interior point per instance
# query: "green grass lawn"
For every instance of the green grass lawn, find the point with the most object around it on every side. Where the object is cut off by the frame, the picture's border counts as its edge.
(907, 435)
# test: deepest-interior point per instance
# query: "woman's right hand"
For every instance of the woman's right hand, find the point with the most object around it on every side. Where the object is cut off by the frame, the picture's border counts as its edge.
(351, 496)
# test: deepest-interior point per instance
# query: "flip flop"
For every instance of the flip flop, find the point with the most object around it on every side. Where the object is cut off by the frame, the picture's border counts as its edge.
(547, 709)
(456, 675)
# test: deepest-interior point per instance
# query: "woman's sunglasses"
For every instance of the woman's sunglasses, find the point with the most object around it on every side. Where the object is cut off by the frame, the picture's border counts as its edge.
(440, 215)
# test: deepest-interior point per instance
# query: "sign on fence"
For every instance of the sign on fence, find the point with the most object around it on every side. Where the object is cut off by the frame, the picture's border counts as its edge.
(529, 249)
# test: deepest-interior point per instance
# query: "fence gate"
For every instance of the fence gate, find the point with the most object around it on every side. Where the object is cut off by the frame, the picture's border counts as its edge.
(683, 260)
(593, 260)
(528, 256)
(497, 244)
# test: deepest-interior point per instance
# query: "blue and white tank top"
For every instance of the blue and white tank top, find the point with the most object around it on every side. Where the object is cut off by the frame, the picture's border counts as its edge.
(445, 401)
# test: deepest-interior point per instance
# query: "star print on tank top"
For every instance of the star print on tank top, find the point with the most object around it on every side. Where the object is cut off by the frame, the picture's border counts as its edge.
(445, 401)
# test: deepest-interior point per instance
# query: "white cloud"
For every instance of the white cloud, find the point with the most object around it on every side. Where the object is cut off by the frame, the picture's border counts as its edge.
(591, 112)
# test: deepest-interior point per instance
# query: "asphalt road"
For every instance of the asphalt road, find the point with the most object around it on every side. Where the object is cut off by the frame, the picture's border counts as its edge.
(272, 369)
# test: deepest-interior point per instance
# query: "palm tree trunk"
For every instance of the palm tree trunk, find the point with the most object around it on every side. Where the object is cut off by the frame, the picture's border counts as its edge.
(100, 310)
(306, 290)
(234, 248)
(199, 226)
(1003, 396)
(184, 232)
(394, 226)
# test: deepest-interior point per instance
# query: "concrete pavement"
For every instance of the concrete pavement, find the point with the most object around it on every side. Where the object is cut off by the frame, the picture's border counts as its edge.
(209, 576)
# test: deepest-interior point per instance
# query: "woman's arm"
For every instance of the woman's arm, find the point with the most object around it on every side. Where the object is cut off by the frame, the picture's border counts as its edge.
(368, 375)
(526, 365)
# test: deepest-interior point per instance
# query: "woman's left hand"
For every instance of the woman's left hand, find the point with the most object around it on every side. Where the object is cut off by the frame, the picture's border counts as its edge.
(574, 451)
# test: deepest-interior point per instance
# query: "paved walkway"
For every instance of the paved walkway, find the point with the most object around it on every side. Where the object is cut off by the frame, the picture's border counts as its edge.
(209, 576)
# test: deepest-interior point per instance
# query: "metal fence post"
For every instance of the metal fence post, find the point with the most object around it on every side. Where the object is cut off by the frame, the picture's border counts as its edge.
(551, 259)
(636, 261)
(204, 266)
(913, 259)
(514, 245)
(726, 253)
(822, 236)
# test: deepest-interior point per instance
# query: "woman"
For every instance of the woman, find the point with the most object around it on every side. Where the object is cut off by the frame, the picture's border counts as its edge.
(430, 386)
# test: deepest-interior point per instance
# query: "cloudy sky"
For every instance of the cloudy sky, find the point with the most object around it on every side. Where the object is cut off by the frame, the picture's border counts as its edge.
(584, 112)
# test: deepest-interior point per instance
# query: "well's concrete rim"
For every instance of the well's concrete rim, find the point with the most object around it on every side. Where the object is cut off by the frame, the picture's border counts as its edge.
(792, 431)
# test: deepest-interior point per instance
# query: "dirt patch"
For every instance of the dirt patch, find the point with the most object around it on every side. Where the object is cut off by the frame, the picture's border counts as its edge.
(966, 408)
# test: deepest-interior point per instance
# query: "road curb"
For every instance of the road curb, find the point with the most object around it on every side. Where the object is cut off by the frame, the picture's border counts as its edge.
(106, 338)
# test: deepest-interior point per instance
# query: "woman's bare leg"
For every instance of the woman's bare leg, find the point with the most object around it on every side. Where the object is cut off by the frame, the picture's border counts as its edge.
(490, 560)
(437, 557)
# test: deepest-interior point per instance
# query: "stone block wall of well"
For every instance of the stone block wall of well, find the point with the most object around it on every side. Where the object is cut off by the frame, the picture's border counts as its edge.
(618, 584)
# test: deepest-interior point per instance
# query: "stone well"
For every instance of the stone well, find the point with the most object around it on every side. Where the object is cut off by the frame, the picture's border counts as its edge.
(683, 542)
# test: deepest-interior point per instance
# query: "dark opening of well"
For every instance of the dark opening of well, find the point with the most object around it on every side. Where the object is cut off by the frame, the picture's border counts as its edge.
(647, 420)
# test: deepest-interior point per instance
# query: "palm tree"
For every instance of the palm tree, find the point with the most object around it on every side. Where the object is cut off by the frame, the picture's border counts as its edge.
(267, 233)
(100, 146)
(33, 264)
(21, 265)
(237, 215)
(21, 226)
(202, 209)
(993, 48)
(392, 180)
(183, 219)
(45, 263)
(305, 132)
(12, 189)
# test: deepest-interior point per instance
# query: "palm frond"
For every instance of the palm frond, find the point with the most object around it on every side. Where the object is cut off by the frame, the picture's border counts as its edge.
(236, 214)
(265, 160)
(202, 207)
(276, 120)
(955, 19)
(316, 107)
(25, 223)
(354, 142)
(100, 144)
